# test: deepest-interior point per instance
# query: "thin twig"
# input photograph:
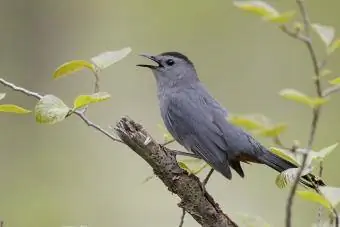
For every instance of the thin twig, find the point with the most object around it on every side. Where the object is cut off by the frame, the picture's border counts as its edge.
(331, 90)
(96, 82)
(279, 143)
(181, 223)
(336, 217)
(316, 111)
(293, 34)
(302, 167)
(78, 113)
(308, 42)
(20, 89)
(96, 127)
(320, 210)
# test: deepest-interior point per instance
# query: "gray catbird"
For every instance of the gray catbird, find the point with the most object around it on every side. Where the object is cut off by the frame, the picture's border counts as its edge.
(198, 122)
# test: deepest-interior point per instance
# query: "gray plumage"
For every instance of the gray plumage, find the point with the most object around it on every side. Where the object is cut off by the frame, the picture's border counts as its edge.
(198, 122)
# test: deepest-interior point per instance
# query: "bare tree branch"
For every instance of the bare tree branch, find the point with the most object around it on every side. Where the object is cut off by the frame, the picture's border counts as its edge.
(199, 204)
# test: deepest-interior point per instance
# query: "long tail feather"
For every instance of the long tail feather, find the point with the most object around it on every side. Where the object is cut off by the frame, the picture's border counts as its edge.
(281, 165)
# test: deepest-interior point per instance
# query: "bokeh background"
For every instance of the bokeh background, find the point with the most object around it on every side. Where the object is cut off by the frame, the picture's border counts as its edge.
(68, 174)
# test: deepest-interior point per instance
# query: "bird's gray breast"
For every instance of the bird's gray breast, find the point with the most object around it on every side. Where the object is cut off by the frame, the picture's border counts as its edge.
(188, 114)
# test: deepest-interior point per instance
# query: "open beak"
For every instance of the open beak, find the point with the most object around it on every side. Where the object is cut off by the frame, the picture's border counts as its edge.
(151, 57)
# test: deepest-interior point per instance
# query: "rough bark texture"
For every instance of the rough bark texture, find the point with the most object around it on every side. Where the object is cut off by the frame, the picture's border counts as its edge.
(199, 205)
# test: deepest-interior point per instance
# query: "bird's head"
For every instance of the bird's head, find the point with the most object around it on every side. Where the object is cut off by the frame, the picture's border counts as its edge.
(171, 68)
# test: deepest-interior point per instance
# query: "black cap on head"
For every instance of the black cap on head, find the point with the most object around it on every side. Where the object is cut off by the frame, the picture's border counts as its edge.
(177, 55)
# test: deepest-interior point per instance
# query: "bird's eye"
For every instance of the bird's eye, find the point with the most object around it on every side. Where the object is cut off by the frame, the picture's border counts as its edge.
(170, 62)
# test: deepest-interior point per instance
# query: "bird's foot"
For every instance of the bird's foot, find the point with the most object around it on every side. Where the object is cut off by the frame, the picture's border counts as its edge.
(204, 190)
(205, 181)
(203, 186)
(181, 153)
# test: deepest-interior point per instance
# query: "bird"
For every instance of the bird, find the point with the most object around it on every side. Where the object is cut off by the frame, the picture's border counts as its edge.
(197, 121)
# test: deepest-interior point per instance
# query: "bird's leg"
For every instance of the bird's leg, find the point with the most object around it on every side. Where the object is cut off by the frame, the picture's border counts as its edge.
(168, 142)
(185, 154)
(176, 152)
(204, 183)
(206, 179)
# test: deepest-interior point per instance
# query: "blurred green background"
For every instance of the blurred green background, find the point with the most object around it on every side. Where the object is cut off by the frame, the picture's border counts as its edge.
(68, 174)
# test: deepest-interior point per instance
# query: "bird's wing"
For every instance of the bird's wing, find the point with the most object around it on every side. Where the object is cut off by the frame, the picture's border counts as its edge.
(191, 123)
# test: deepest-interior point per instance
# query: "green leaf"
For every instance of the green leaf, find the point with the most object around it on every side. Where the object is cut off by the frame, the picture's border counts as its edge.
(166, 135)
(10, 108)
(314, 197)
(285, 154)
(295, 95)
(202, 167)
(299, 97)
(246, 122)
(252, 221)
(335, 81)
(273, 131)
(257, 7)
(320, 155)
(193, 165)
(84, 100)
(334, 46)
(50, 110)
(297, 26)
(2, 95)
(325, 72)
(282, 18)
(332, 194)
(288, 176)
(323, 223)
(106, 59)
(325, 32)
(318, 101)
(71, 67)
(184, 166)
